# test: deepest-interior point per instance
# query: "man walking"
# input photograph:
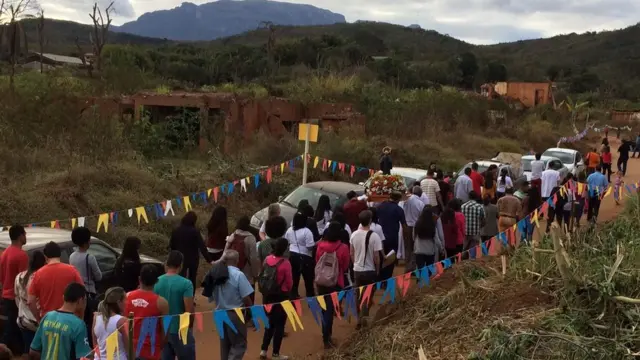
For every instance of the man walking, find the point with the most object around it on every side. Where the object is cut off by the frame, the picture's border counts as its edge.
(234, 293)
(537, 167)
(475, 219)
(597, 184)
(431, 188)
(463, 186)
(412, 210)
(623, 158)
(13, 261)
(391, 218)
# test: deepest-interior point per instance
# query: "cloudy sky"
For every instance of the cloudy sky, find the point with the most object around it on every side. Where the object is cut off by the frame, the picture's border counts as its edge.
(475, 21)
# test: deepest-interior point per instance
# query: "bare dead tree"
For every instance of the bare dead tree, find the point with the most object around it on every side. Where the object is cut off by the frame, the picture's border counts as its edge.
(100, 31)
(81, 52)
(17, 10)
(41, 39)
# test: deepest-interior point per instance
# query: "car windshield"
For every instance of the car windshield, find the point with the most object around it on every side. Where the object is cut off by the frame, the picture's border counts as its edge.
(566, 158)
(312, 196)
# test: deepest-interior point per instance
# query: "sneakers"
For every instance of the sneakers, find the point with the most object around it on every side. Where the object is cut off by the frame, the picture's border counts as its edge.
(263, 356)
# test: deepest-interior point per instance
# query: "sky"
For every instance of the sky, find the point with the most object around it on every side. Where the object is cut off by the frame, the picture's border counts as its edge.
(474, 21)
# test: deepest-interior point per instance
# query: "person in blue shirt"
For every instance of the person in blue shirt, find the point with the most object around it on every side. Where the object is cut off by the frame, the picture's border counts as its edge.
(597, 185)
(179, 294)
(234, 293)
(62, 334)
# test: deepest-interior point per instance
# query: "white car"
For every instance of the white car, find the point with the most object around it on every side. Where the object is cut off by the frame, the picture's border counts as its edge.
(571, 158)
(549, 163)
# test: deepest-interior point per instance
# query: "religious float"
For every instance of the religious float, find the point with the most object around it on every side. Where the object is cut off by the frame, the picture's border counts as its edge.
(379, 187)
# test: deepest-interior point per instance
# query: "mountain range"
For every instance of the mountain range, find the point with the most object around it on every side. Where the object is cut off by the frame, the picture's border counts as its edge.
(191, 22)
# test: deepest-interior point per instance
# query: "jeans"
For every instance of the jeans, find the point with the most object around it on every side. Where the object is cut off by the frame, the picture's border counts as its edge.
(423, 260)
(302, 265)
(594, 208)
(234, 345)
(328, 314)
(11, 335)
(27, 338)
(622, 165)
(277, 321)
(175, 349)
(190, 271)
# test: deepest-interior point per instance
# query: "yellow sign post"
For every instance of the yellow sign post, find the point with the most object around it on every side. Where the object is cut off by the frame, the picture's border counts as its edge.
(307, 132)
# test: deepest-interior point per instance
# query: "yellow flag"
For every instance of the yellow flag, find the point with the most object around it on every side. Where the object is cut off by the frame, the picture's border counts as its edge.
(292, 315)
(281, 168)
(248, 180)
(580, 188)
(141, 213)
(562, 190)
(609, 190)
(103, 221)
(112, 345)
(315, 162)
(534, 218)
(187, 203)
(73, 223)
(322, 303)
(183, 328)
(209, 192)
(53, 224)
(240, 314)
(329, 163)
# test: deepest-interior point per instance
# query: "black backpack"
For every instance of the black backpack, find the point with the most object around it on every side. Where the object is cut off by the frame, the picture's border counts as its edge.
(268, 279)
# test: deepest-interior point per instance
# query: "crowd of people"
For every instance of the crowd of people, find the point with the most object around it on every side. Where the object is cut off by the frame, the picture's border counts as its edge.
(53, 312)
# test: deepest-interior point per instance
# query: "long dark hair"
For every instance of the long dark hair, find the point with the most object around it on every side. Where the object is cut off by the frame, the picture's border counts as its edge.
(218, 222)
(503, 176)
(130, 251)
(425, 226)
(488, 176)
(449, 212)
(324, 206)
(299, 221)
(189, 219)
(36, 262)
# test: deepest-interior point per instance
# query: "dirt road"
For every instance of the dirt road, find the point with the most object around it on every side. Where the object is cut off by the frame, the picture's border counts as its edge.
(307, 343)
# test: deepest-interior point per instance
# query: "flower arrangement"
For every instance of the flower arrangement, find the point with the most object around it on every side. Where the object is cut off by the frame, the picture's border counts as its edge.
(385, 184)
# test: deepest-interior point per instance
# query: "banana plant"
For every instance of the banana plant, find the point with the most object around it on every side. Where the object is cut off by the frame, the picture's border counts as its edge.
(574, 108)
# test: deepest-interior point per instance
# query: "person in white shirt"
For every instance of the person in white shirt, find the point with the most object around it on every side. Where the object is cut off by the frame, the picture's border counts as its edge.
(537, 167)
(366, 253)
(272, 211)
(300, 246)
(412, 210)
(504, 183)
(550, 179)
(375, 227)
(431, 189)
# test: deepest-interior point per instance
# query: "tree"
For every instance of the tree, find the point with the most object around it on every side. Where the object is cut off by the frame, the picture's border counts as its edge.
(100, 31)
(468, 65)
(574, 108)
(17, 11)
(496, 72)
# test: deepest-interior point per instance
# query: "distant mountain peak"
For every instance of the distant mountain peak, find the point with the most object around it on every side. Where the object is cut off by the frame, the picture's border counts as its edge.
(224, 18)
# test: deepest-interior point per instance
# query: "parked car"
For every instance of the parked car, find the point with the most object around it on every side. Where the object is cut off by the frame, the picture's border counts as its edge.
(336, 190)
(106, 255)
(549, 163)
(483, 165)
(571, 158)
(410, 175)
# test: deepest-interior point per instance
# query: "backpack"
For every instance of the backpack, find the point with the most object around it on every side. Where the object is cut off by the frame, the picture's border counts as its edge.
(268, 279)
(327, 270)
(366, 247)
(238, 245)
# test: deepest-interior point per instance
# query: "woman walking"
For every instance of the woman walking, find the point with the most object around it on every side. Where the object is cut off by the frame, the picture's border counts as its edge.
(277, 316)
(26, 319)
(187, 239)
(301, 244)
(217, 232)
(504, 183)
(127, 269)
(427, 241)
(489, 188)
(108, 320)
(323, 212)
(606, 161)
(453, 224)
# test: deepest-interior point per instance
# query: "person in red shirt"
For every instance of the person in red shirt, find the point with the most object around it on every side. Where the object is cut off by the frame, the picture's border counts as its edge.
(331, 242)
(13, 261)
(143, 303)
(606, 161)
(48, 284)
(277, 315)
(352, 210)
(476, 178)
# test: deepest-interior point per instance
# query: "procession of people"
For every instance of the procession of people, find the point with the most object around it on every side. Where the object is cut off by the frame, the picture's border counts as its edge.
(54, 307)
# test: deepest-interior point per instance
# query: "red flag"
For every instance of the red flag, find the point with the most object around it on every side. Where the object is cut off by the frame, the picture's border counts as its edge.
(267, 307)
(405, 280)
(493, 248)
(336, 304)
(366, 295)
(198, 317)
(324, 164)
(341, 167)
(216, 191)
(269, 175)
(478, 251)
(459, 256)
(352, 170)
(296, 304)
